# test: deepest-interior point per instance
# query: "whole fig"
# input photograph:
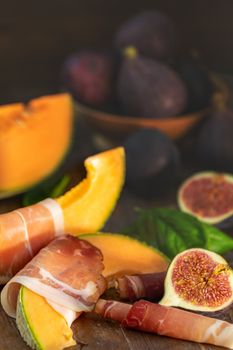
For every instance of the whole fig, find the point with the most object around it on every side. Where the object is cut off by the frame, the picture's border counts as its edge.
(153, 33)
(152, 162)
(89, 76)
(148, 88)
(215, 141)
(198, 82)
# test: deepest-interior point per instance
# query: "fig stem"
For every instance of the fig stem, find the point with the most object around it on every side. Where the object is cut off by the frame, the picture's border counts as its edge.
(130, 52)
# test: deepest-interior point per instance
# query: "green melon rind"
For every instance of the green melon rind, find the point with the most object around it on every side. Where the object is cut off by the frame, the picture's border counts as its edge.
(16, 191)
(21, 317)
(47, 177)
(23, 324)
(57, 168)
(104, 234)
(185, 209)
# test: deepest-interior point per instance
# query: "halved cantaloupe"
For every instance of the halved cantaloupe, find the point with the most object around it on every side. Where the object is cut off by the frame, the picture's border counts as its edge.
(125, 255)
(33, 141)
(87, 206)
(41, 327)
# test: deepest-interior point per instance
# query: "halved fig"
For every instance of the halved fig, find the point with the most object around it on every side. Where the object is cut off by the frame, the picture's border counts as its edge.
(208, 196)
(200, 280)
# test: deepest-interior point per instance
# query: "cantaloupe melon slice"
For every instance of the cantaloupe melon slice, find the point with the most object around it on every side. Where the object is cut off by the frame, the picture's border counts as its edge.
(41, 327)
(125, 255)
(34, 139)
(87, 206)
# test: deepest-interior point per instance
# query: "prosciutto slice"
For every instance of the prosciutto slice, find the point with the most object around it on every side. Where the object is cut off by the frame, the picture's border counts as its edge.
(23, 232)
(67, 273)
(149, 317)
(149, 286)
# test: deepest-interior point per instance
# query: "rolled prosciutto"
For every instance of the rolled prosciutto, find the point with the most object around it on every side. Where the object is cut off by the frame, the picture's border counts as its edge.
(149, 286)
(23, 232)
(67, 273)
(154, 318)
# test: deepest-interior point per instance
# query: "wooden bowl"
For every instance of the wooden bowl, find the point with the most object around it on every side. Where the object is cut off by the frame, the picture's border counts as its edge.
(113, 128)
(117, 127)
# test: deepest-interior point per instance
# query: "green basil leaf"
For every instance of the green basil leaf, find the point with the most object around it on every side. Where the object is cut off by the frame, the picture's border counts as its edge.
(172, 231)
(167, 239)
(60, 187)
(186, 226)
(46, 190)
(217, 241)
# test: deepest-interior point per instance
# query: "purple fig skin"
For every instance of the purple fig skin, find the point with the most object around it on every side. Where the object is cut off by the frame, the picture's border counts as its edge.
(89, 76)
(226, 225)
(152, 163)
(150, 89)
(197, 80)
(153, 33)
(215, 141)
(224, 314)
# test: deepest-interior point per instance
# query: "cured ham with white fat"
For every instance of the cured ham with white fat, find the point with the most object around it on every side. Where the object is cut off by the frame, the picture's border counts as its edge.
(67, 273)
(23, 232)
(154, 318)
(149, 286)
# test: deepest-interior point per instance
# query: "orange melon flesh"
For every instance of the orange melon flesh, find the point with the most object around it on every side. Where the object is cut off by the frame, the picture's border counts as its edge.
(125, 255)
(87, 206)
(44, 329)
(33, 140)
(40, 325)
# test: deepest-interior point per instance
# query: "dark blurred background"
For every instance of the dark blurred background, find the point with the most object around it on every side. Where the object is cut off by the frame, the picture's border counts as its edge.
(35, 37)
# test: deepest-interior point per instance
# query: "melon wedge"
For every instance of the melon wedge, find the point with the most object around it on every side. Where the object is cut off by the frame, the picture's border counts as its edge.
(41, 327)
(125, 255)
(34, 139)
(87, 206)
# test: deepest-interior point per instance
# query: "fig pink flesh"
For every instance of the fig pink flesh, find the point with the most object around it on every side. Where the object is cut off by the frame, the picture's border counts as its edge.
(209, 196)
(197, 278)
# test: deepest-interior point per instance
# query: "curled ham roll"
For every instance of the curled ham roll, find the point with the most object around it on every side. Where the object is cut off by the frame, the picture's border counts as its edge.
(23, 232)
(149, 317)
(149, 286)
(67, 273)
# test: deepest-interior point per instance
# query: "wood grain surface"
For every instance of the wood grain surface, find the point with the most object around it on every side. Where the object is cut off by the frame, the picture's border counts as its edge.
(90, 331)
(34, 40)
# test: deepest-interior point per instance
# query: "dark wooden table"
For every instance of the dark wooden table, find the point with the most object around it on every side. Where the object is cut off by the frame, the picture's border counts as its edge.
(91, 332)
(34, 68)
(95, 334)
